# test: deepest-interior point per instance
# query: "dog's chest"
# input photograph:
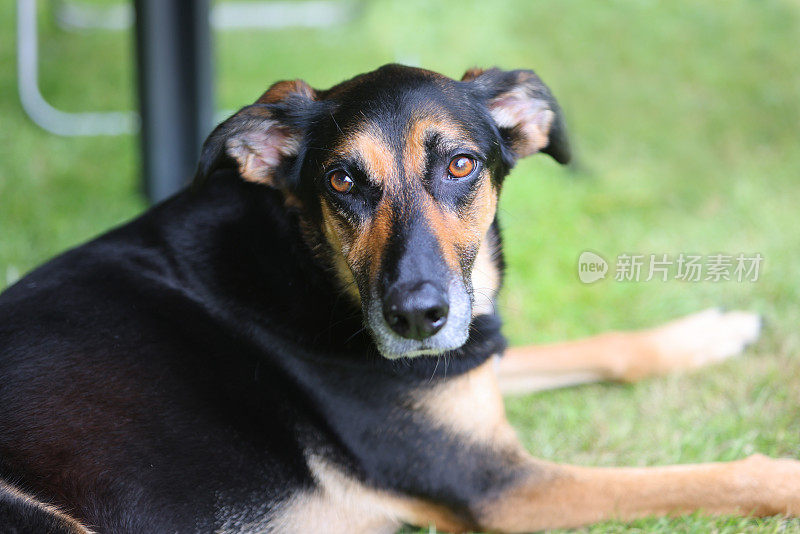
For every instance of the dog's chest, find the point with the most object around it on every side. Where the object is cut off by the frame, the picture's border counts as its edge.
(337, 504)
(463, 414)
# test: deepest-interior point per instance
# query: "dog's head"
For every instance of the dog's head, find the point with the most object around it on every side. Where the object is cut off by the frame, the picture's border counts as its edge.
(396, 175)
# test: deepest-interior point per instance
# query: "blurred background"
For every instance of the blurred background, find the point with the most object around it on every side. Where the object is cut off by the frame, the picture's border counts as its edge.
(685, 119)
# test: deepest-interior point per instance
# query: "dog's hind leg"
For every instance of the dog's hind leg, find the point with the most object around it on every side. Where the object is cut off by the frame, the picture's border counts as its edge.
(562, 496)
(687, 343)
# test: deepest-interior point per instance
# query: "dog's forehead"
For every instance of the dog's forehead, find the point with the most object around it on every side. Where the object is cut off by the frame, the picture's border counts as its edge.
(386, 120)
(392, 96)
(386, 81)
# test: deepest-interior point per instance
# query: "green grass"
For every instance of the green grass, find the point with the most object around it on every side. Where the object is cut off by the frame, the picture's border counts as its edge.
(685, 118)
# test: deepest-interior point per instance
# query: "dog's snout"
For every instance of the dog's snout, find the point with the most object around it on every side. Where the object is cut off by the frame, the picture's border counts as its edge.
(416, 311)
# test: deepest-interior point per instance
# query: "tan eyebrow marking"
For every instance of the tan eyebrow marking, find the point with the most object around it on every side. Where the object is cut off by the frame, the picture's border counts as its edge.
(369, 147)
(414, 150)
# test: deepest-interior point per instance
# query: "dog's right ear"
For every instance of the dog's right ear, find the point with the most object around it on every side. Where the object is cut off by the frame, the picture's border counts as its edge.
(259, 137)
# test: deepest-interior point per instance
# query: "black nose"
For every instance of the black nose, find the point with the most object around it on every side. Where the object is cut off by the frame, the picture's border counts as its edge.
(416, 311)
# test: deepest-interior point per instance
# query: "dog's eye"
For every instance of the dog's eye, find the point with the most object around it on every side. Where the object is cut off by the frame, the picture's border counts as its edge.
(461, 166)
(340, 182)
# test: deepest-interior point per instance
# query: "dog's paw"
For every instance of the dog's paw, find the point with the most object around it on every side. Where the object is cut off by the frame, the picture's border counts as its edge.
(693, 341)
(709, 336)
(774, 484)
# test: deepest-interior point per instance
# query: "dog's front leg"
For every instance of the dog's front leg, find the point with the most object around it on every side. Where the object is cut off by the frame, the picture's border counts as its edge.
(686, 343)
(561, 496)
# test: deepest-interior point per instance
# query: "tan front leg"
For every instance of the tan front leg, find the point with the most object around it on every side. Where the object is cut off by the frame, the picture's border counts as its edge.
(560, 496)
(687, 343)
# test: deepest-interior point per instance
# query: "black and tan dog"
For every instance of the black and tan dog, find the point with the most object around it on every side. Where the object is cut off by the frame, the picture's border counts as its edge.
(304, 340)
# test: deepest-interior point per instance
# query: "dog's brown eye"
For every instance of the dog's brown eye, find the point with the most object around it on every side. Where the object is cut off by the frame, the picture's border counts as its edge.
(340, 182)
(461, 166)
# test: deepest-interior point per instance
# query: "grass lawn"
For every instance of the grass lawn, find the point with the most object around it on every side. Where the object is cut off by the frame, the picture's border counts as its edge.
(685, 117)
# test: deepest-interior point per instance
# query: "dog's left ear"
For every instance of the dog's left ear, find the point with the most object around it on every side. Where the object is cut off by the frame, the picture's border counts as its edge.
(525, 111)
(260, 137)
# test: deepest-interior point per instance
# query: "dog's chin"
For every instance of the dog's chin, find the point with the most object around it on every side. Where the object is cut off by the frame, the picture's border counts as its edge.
(451, 337)
(395, 347)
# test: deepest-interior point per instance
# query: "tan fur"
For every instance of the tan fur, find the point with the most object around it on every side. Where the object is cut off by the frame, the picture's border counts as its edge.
(466, 230)
(603, 357)
(445, 226)
(561, 496)
(370, 148)
(481, 213)
(282, 90)
(370, 242)
(361, 246)
(623, 356)
(341, 504)
(485, 279)
(472, 73)
(683, 344)
(341, 241)
(470, 406)
(415, 155)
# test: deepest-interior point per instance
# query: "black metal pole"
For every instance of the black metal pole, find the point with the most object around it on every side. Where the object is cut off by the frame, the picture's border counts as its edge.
(173, 46)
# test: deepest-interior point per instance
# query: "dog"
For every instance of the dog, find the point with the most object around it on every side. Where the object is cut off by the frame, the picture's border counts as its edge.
(305, 339)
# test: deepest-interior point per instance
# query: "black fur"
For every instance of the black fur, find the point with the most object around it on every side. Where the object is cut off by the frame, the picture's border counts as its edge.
(19, 515)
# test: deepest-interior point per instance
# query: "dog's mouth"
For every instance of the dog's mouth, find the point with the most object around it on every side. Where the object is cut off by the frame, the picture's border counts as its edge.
(416, 324)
